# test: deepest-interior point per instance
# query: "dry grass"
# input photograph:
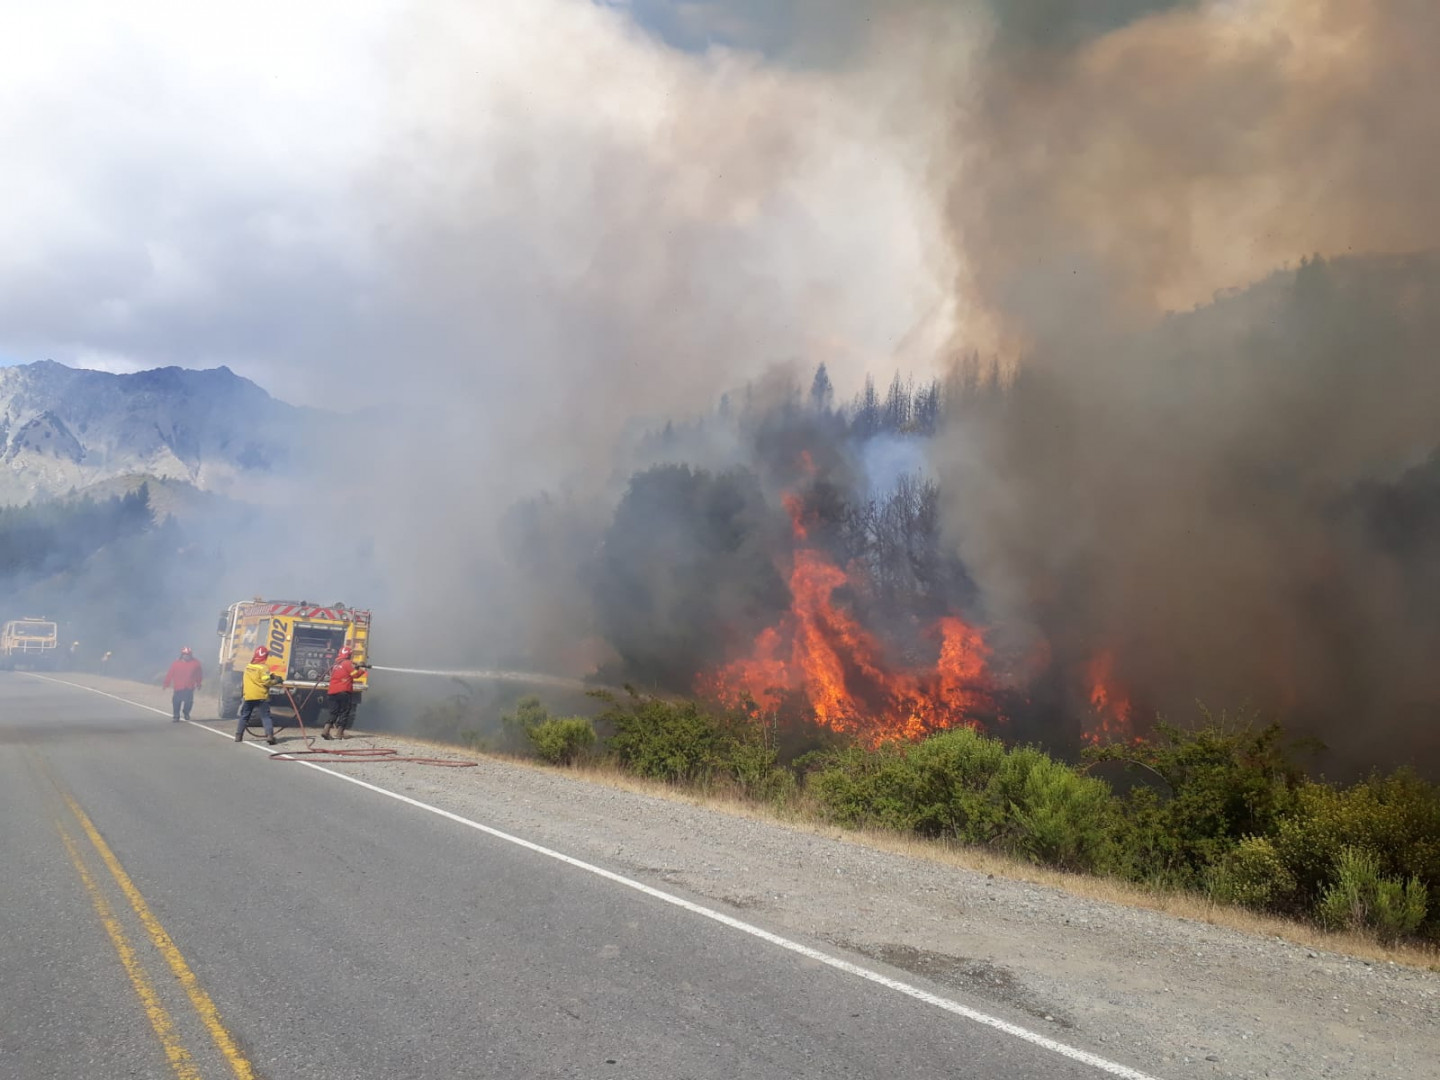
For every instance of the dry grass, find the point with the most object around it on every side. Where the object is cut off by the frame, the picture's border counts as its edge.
(804, 817)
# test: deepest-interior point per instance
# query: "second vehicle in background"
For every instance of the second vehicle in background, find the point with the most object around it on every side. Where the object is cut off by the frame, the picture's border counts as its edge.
(29, 643)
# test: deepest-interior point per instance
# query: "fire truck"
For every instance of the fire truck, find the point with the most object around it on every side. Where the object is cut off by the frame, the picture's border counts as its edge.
(28, 642)
(303, 639)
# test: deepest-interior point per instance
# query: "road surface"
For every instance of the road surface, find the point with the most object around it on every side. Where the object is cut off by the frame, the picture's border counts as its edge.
(176, 905)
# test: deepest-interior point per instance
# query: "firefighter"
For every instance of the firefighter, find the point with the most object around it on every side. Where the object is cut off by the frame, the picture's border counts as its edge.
(342, 694)
(255, 693)
(184, 677)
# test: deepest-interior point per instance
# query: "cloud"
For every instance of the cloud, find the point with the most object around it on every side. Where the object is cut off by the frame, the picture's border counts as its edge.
(176, 177)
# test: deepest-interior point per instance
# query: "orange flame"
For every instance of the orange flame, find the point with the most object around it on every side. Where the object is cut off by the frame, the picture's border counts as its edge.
(821, 649)
(1110, 711)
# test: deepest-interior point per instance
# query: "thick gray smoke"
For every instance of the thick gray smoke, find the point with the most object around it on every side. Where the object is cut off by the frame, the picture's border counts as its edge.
(588, 232)
(1195, 150)
(1197, 493)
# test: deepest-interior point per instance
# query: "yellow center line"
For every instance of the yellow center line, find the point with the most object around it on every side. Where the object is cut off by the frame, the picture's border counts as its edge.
(175, 1051)
(209, 1015)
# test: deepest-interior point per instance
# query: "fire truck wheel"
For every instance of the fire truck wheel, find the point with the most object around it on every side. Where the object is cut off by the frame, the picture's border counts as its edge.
(229, 698)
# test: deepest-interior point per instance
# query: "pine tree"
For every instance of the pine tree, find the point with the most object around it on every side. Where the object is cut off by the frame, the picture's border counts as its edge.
(897, 406)
(822, 390)
(867, 411)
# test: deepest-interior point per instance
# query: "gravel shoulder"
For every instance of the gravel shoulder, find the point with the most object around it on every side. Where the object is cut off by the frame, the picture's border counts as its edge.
(1177, 997)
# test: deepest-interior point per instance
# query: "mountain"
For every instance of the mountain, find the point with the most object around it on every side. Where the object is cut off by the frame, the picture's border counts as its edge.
(64, 429)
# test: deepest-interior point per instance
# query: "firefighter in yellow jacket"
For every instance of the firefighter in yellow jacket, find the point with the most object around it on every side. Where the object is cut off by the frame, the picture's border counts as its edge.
(255, 695)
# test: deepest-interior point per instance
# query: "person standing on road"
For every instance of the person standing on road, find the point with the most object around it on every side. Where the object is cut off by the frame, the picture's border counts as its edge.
(184, 677)
(255, 695)
(342, 694)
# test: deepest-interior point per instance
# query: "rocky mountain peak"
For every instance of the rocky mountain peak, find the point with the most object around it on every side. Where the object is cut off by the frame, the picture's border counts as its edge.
(64, 428)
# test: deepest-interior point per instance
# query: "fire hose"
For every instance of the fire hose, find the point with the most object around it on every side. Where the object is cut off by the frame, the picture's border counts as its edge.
(364, 753)
(530, 678)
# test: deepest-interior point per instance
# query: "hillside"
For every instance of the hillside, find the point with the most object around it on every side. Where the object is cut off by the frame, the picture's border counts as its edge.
(168, 498)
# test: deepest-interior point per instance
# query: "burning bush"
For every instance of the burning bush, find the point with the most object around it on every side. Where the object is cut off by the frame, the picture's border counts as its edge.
(821, 648)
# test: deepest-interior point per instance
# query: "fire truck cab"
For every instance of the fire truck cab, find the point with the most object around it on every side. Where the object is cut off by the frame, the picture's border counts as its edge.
(303, 639)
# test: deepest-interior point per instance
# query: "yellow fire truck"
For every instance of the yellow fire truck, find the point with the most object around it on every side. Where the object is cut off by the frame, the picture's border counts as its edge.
(303, 639)
(28, 642)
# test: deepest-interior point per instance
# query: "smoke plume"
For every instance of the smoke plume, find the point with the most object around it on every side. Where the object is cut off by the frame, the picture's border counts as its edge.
(1196, 492)
(587, 232)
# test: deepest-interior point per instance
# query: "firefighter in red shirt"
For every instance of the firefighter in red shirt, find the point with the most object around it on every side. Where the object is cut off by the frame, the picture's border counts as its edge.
(184, 677)
(343, 695)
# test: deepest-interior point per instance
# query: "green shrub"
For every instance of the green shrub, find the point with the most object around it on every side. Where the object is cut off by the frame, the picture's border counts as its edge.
(965, 786)
(676, 741)
(858, 787)
(957, 793)
(755, 769)
(1362, 899)
(515, 727)
(1223, 780)
(1395, 818)
(562, 740)
(1062, 819)
(1252, 874)
(778, 787)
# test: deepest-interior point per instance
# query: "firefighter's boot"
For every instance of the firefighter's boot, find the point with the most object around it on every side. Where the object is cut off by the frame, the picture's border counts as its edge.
(326, 733)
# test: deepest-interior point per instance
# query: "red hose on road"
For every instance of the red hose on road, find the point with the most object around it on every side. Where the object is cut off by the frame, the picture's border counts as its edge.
(363, 753)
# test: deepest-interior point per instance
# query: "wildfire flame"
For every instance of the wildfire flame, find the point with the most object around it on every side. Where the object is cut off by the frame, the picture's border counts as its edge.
(820, 649)
(1110, 711)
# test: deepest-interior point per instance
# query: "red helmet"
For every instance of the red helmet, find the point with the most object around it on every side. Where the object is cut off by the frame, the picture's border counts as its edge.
(345, 653)
(262, 653)
(186, 651)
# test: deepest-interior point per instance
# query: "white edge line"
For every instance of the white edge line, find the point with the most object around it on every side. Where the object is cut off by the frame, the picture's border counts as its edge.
(1074, 1053)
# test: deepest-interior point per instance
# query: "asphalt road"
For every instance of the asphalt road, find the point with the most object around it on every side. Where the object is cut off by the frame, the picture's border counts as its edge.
(176, 905)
